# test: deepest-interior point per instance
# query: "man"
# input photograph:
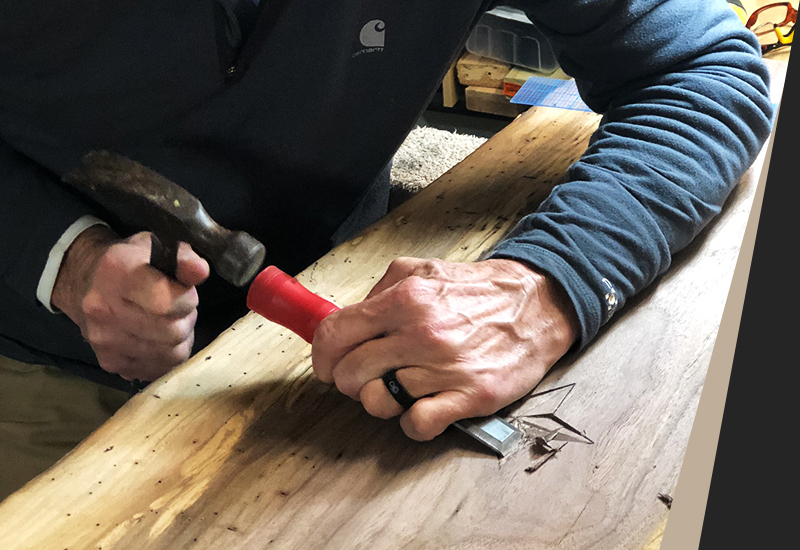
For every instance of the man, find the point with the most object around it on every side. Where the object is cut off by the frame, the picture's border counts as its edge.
(283, 122)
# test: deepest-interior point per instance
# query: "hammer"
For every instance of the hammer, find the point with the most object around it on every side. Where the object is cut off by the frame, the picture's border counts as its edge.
(141, 197)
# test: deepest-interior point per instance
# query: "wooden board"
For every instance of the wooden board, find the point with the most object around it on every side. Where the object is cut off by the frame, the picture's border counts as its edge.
(242, 448)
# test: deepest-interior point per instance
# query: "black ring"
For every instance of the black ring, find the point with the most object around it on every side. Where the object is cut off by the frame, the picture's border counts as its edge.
(397, 390)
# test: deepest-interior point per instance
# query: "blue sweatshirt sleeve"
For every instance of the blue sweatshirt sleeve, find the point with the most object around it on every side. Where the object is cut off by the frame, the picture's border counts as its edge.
(686, 109)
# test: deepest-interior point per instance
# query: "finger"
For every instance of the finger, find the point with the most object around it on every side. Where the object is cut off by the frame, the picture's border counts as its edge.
(151, 289)
(156, 329)
(157, 294)
(129, 317)
(398, 270)
(114, 340)
(377, 400)
(404, 308)
(372, 359)
(133, 362)
(430, 416)
(192, 269)
(343, 330)
(143, 240)
(417, 381)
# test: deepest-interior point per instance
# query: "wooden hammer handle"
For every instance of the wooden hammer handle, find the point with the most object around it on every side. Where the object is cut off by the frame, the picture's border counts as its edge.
(164, 255)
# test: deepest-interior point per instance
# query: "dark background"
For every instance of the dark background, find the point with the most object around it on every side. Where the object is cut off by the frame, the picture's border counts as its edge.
(752, 502)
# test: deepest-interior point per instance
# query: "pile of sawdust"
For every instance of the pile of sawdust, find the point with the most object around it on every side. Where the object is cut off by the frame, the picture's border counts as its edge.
(426, 154)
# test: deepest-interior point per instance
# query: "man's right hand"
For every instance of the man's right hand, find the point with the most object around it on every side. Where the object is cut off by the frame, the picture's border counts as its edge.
(139, 322)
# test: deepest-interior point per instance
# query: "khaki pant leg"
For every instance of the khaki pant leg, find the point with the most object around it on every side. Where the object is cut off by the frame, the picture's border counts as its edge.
(44, 413)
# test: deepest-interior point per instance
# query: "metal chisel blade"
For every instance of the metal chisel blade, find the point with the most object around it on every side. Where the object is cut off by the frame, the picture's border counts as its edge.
(492, 431)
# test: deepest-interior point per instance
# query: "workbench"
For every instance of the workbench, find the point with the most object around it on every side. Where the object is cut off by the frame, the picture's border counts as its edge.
(243, 448)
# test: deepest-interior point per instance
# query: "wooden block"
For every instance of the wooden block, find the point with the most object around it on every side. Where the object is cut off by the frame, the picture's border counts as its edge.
(492, 101)
(474, 70)
(450, 88)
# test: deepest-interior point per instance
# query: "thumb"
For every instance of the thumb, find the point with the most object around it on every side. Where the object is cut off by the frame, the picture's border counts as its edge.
(192, 270)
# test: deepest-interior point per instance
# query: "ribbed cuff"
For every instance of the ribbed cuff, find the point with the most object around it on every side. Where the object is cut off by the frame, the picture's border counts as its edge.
(47, 281)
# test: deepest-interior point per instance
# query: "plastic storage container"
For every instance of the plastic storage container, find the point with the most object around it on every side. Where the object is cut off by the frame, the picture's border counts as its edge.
(507, 35)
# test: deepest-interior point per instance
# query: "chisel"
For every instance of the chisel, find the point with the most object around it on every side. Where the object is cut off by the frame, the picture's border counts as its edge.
(284, 300)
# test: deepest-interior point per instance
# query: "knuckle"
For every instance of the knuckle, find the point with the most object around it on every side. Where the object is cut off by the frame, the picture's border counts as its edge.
(181, 331)
(430, 267)
(112, 264)
(428, 333)
(97, 337)
(346, 380)
(94, 307)
(415, 296)
(140, 239)
(322, 351)
(410, 289)
(323, 335)
(162, 304)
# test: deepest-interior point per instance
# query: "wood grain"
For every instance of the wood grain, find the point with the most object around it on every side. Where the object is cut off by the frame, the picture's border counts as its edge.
(242, 448)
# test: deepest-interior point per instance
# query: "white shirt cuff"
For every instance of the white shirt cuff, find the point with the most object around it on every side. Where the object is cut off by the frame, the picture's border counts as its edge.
(48, 279)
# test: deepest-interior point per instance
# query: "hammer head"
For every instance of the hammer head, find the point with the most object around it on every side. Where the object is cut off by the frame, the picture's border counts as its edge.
(141, 197)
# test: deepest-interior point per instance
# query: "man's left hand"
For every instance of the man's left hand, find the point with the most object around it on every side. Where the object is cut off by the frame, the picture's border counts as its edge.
(466, 339)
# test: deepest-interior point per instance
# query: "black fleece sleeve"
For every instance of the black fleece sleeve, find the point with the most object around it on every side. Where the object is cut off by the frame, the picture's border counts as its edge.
(35, 210)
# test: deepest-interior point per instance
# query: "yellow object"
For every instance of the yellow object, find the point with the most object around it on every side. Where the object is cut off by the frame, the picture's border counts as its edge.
(785, 38)
(736, 5)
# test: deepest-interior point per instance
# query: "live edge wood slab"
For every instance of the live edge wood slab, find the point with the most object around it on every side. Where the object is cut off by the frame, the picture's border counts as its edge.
(242, 448)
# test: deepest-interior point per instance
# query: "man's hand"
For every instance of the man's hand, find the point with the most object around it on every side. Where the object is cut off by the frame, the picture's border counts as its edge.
(469, 338)
(139, 322)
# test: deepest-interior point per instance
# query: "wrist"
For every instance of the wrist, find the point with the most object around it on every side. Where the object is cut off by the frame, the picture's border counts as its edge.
(77, 268)
(555, 301)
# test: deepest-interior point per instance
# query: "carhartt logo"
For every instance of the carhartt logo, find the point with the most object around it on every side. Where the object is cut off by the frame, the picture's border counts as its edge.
(372, 37)
(372, 34)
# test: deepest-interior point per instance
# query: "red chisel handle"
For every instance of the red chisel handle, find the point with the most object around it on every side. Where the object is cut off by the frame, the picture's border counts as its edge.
(282, 299)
